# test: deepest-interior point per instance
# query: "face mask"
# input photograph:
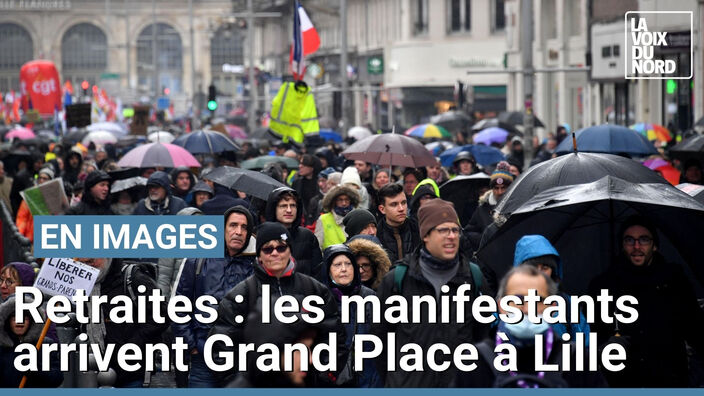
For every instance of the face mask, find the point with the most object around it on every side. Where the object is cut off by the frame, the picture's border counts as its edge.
(525, 329)
(343, 211)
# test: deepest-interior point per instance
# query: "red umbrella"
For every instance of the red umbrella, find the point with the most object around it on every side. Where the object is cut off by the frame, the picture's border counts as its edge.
(390, 149)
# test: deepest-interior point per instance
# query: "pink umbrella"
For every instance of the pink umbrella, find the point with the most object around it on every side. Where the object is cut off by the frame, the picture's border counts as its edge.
(21, 133)
(655, 163)
(235, 132)
(154, 155)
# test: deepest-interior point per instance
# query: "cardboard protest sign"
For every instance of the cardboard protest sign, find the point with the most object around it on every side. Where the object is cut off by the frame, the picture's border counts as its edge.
(62, 276)
(140, 120)
(78, 115)
(47, 198)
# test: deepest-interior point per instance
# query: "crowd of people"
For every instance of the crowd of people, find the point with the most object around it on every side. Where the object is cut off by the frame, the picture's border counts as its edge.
(344, 228)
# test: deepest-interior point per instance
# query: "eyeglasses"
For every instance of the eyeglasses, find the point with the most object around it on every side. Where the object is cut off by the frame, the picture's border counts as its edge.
(270, 249)
(7, 281)
(643, 240)
(365, 267)
(445, 231)
(339, 265)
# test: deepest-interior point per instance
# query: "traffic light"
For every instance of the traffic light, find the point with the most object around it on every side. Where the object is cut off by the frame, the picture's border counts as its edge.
(212, 101)
(85, 85)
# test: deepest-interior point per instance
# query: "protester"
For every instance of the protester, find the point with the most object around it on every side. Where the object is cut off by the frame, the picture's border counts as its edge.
(183, 180)
(314, 206)
(464, 164)
(437, 173)
(284, 206)
(501, 179)
(25, 220)
(669, 317)
(411, 178)
(426, 190)
(359, 221)
(397, 232)
(223, 199)
(201, 193)
(214, 277)
(73, 163)
(518, 282)
(364, 169)
(159, 200)
(350, 178)
(5, 187)
(12, 275)
(96, 196)
(274, 267)
(372, 260)
(435, 263)
(306, 183)
(692, 172)
(337, 203)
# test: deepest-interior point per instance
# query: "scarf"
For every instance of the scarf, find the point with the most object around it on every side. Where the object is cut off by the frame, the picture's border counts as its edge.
(436, 263)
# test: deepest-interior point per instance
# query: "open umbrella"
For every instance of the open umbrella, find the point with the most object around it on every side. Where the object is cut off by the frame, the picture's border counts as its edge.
(695, 191)
(154, 155)
(99, 138)
(484, 155)
(463, 191)
(453, 119)
(517, 118)
(330, 135)
(161, 137)
(261, 162)
(74, 137)
(691, 147)
(390, 149)
(206, 142)
(652, 132)
(493, 122)
(244, 180)
(491, 135)
(111, 127)
(436, 148)
(126, 184)
(428, 131)
(575, 168)
(359, 132)
(607, 138)
(235, 132)
(21, 133)
(582, 221)
(262, 134)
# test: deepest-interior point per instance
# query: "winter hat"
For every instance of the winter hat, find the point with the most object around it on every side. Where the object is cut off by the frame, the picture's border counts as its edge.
(94, 178)
(326, 172)
(351, 176)
(357, 220)
(202, 186)
(434, 213)
(271, 231)
(501, 175)
(25, 271)
(47, 171)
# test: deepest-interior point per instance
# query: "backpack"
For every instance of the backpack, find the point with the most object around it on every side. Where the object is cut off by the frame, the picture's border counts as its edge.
(128, 272)
(402, 268)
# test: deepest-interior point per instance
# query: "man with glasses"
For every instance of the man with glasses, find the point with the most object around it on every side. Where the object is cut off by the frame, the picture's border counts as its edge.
(284, 206)
(669, 316)
(275, 267)
(435, 263)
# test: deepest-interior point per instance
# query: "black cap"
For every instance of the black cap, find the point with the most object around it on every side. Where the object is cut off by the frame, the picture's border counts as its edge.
(271, 231)
(96, 177)
(357, 220)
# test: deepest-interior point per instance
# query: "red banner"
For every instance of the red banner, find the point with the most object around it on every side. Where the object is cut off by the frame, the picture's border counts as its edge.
(40, 83)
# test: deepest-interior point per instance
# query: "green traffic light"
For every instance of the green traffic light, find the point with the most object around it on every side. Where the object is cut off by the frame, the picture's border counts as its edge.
(212, 105)
(671, 87)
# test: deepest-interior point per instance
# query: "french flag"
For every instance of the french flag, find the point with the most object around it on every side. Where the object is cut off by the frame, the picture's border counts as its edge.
(305, 41)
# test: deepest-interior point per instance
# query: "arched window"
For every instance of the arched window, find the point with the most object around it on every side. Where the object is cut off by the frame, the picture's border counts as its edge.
(84, 53)
(169, 55)
(226, 46)
(16, 48)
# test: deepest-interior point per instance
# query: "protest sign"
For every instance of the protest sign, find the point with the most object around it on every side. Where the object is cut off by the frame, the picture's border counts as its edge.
(62, 276)
(47, 198)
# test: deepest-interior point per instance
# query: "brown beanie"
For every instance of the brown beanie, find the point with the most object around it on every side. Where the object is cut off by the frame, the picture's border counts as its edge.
(434, 213)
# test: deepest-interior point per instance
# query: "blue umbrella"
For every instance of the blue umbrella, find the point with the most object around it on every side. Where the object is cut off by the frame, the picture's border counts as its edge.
(330, 135)
(485, 155)
(206, 142)
(610, 139)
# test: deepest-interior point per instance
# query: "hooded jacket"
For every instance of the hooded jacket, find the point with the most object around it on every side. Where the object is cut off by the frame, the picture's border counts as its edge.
(185, 195)
(305, 248)
(369, 377)
(88, 204)
(481, 218)
(328, 204)
(215, 277)
(171, 204)
(223, 200)
(11, 377)
(70, 175)
(291, 283)
(425, 187)
(377, 258)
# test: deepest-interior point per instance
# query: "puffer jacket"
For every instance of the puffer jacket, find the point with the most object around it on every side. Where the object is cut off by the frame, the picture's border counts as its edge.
(305, 248)
(410, 237)
(368, 377)
(10, 377)
(291, 283)
(425, 334)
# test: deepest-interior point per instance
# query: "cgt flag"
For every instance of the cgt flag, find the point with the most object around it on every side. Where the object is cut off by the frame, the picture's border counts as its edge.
(305, 41)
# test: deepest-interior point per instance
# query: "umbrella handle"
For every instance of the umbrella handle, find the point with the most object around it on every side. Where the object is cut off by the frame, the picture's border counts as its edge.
(574, 142)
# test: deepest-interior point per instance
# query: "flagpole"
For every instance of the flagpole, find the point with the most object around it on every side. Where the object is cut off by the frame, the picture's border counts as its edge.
(253, 94)
(343, 66)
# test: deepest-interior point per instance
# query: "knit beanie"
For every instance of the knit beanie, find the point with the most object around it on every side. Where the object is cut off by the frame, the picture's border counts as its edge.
(501, 175)
(271, 231)
(357, 220)
(434, 213)
(351, 176)
(47, 171)
(25, 272)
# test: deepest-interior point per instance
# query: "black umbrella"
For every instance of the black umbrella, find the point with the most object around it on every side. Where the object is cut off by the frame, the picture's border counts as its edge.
(453, 120)
(262, 134)
(126, 184)
(247, 181)
(695, 191)
(493, 122)
(463, 191)
(583, 221)
(516, 118)
(74, 137)
(691, 147)
(575, 168)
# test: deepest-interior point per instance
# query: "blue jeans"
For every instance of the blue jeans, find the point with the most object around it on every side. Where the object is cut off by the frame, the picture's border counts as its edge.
(200, 376)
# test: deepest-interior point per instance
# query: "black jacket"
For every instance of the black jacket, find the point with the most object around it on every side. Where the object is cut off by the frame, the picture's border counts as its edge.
(306, 189)
(481, 218)
(223, 200)
(424, 334)
(305, 248)
(89, 206)
(410, 237)
(668, 315)
(291, 283)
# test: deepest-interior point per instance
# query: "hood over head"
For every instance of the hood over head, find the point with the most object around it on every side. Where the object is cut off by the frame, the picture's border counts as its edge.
(377, 257)
(534, 246)
(329, 198)
(7, 338)
(328, 255)
(273, 201)
(160, 178)
(250, 222)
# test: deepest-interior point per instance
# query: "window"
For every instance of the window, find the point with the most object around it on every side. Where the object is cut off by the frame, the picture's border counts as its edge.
(499, 15)
(460, 15)
(226, 47)
(606, 52)
(616, 50)
(169, 57)
(420, 17)
(84, 53)
(16, 48)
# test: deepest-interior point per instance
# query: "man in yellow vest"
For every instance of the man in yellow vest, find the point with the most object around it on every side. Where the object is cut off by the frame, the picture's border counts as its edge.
(339, 201)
